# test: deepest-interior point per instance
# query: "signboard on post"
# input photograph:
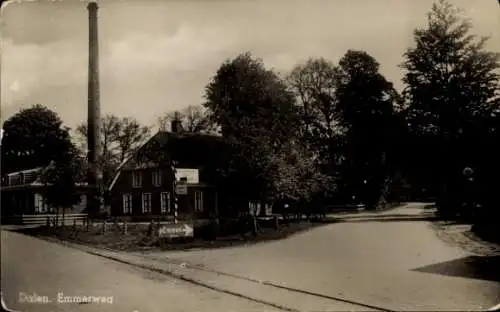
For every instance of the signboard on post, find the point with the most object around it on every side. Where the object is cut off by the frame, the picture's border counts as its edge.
(176, 230)
(181, 187)
(190, 175)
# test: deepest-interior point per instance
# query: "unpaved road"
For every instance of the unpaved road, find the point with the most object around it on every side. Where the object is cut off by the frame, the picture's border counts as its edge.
(393, 260)
(32, 266)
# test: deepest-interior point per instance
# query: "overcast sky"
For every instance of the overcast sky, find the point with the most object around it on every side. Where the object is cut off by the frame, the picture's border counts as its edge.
(157, 56)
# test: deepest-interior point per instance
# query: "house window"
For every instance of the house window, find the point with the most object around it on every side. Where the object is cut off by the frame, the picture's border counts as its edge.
(40, 203)
(165, 202)
(157, 177)
(254, 208)
(146, 203)
(136, 179)
(198, 201)
(127, 203)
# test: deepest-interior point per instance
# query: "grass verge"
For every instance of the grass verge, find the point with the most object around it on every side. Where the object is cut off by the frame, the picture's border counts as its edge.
(137, 238)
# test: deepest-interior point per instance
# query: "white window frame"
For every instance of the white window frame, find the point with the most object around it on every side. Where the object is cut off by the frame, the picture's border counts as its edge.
(165, 202)
(157, 177)
(136, 178)
(146, 208)
(198, 201)
(127, 203)
(40, 204)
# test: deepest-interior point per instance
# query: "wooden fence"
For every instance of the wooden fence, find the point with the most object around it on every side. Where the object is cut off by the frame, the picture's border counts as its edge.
(43, 219)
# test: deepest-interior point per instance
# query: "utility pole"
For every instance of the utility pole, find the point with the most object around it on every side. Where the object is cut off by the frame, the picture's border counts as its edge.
(174, 192)
(175, 128)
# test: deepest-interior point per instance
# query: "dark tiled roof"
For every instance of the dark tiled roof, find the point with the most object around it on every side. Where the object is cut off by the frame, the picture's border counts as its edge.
(186, 148)
(190, 150)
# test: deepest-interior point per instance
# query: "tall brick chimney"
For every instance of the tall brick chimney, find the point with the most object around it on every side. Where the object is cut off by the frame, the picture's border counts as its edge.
(94, 177)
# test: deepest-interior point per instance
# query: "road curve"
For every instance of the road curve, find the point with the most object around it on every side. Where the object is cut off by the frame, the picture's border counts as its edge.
(392, 260)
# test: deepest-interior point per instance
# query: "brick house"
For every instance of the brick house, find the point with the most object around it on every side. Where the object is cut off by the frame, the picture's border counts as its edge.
(144, 184)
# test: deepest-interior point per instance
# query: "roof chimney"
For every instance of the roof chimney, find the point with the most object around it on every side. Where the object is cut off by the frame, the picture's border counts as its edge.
(176, 125)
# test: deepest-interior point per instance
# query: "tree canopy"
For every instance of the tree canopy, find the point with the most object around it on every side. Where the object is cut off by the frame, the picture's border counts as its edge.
(452, 91)
(258, 117)
(315, 84)
(365, 113)
(35, 137)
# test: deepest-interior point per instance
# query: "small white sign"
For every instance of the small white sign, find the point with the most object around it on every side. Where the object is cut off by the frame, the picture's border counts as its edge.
(181, 188)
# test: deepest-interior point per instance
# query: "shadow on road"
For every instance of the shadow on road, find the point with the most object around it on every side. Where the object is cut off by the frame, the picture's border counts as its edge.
(388, 218)
(477, 267)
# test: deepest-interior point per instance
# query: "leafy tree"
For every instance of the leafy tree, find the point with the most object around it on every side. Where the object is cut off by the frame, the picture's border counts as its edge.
(298, 178)
(32, 138)
(119, 139)
(365, 111)
(35, 137)
(452, 88)
(60, 178)
(315, 84)
(193, 119)
(256, 114)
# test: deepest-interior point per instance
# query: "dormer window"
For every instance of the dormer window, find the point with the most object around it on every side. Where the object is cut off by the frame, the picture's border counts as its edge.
(28, 177)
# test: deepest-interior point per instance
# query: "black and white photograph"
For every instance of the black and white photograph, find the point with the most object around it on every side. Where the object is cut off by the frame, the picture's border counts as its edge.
(250, 155)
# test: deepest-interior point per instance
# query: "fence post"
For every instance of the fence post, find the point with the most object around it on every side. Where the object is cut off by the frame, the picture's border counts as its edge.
(157, 226)
(48, 221)
(150, 228)
(104, 226)
(125, 227)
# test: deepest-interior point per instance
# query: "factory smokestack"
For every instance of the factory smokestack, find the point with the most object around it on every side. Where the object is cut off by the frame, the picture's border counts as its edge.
(94, 178)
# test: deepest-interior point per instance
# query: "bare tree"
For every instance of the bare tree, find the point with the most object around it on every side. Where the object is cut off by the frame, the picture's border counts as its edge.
(119, 138)
(130, 136)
